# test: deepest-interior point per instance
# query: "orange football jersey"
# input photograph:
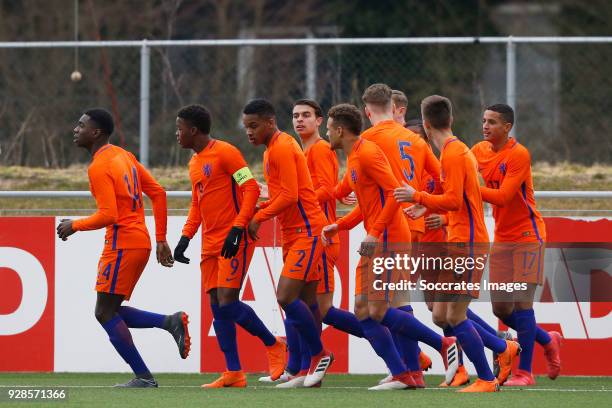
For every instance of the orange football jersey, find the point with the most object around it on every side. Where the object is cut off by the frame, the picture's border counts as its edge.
(408, 154)
(509, 187)
(369, 175)
(223, 194)
(292, 196)
(117, 181)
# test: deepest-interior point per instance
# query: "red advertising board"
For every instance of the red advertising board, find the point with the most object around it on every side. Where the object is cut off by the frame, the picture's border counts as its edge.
(27, 273)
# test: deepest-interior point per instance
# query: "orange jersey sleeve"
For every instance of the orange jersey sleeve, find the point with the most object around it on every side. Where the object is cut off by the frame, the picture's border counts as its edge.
(517, 169)
(343, 188)
(102, 188)
(157, 194)
(350, 220)
(452, 197)
(263, 204)
(432, 169)
(194, 219)
(234, 164)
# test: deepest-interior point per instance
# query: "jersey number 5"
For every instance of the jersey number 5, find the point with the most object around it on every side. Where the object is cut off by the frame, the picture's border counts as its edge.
(403, 146)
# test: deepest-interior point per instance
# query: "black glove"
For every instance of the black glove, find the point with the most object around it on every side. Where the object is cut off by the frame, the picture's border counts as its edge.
(232, 242)
(179, 251)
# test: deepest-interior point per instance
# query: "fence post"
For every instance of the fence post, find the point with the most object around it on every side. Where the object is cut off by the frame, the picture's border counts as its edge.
(145, 72)
(511, 78)
(311, 70)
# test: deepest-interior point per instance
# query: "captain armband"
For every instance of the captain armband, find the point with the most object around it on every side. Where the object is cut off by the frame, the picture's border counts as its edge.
(242, 175)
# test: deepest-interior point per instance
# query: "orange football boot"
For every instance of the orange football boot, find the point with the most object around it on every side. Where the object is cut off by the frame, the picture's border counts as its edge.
(521, 378)
(235, 379)
(418, 378)
(552, 351)
(506, 359)
(277, 358)
(461, 378)
(424, 361)
(481, 385)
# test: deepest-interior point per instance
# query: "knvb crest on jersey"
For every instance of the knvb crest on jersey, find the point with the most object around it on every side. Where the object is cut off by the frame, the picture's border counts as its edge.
(502, 168)
(207, 169)
(354, 175)
(431, 185)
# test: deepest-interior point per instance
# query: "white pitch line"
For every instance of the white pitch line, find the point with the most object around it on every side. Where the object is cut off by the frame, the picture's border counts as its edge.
(256, 387)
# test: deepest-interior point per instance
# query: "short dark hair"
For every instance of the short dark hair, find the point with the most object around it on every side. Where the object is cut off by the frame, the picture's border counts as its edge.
(198, 116)
(399, 98)
(438, 111)
(103, 120)
(260, 107)
(348, 116)
(505, 111)
(378, 95)
(313, 104)
(416, 125)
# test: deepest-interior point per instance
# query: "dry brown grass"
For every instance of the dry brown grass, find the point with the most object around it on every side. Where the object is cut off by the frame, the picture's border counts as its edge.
(563, 176)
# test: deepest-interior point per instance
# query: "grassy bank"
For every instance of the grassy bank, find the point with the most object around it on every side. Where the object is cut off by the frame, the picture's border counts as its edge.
(564, 176)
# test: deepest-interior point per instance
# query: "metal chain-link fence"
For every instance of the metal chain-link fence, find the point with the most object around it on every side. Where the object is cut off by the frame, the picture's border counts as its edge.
(562, 91)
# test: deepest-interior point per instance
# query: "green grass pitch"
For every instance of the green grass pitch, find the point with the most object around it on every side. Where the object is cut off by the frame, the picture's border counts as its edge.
(183, 390)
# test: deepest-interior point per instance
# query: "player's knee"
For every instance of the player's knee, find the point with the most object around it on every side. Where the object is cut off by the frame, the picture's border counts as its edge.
(377, 311)
(523, 306)
(503, 310)
(439, 320)
(361, 310)
(284, 299)
(227, 296)
(324, 308)
(103, 315)
(212, 295)
(454, 320)
(325, 302)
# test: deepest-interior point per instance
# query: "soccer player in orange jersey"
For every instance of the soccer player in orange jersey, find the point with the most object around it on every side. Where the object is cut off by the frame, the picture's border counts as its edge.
(430, 234)
(293, 201)
(411, 159)
(370, 176)
(435, 224)
(436, 232)
(409, 155)
(461, 198)
(323, 166)
(505, 166)
(223, 198)
(117, 181)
